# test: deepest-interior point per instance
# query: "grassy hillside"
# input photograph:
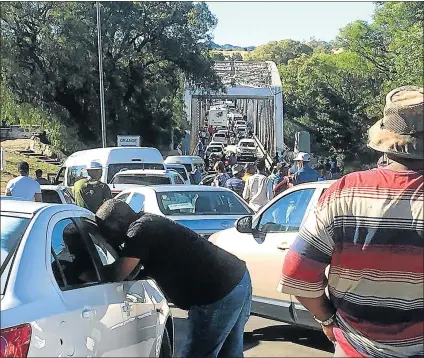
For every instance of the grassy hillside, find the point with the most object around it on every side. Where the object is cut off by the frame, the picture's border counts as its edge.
(12, 160)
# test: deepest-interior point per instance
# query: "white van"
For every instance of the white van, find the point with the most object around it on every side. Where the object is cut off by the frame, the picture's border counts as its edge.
(113, 159)
(191, 162)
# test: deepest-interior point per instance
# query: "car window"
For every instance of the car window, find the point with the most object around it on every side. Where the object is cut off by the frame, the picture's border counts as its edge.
(112, 169)
(180, 171)
(50, 196)
(136, 202)
(123, 197)
(72, 264)
(106, 253)
(200, 203)
(141, 179)
(178, 179)
(76, 173)
(68, 196)
(286, 214)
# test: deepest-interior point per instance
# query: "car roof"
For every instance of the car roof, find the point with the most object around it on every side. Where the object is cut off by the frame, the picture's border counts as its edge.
(247, 140)
(53, 187)
(29, 207)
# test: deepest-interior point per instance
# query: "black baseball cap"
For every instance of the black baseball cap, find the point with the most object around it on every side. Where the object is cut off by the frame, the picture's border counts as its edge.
(23, 167)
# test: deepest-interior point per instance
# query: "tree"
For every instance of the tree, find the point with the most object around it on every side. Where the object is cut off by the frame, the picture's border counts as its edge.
(280, 52)
(332, 96)
(217, 56)
(49, 52)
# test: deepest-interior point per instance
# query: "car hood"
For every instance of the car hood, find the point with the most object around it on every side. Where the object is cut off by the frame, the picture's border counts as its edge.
(208, 224)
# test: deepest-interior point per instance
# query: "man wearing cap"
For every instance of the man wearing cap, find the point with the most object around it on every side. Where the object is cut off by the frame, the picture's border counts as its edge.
(24, 187)
(305, 173)
(235, 183)
(91, 193)
(367, 230)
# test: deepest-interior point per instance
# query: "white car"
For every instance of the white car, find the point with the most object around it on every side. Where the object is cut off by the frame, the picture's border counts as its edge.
(220, 137)
(56, 300)
(56, 194)
(129, 178)
(204, 209)
(262, 242)
(247, 150)
(180, 169)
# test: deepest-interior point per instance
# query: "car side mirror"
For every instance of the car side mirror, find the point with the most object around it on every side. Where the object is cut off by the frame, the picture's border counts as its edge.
(244, 225)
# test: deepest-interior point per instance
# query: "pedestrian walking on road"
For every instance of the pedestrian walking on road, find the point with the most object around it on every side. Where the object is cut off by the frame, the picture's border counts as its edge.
(90, 192)
(39, 177)
(249, 170)
(222, 176)
(194, 274)
(258, 189)
(304, 173)
(368, 227)
(23, 186)
(236, 184)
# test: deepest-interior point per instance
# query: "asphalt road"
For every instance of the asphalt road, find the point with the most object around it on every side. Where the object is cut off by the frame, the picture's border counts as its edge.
(266, 338)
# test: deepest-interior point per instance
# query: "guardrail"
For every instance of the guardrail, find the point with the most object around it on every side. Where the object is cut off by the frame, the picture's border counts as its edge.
(266, 156)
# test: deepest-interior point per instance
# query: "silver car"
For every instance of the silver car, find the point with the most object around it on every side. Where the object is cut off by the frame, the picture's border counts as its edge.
(203, 209)
(56, 300)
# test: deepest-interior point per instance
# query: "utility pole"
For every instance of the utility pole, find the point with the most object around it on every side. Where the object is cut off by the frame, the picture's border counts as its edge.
(102, 90)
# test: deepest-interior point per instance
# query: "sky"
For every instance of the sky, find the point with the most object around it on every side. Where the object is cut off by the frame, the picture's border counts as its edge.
(256, 23)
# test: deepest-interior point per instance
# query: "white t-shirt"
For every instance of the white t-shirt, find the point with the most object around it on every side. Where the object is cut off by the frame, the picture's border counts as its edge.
(23, 187)
(258, 191)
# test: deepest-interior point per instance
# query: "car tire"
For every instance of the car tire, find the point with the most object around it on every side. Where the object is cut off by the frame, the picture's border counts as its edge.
(166, 347)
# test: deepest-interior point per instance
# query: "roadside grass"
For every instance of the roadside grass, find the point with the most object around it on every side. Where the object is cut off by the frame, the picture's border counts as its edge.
(12, 160)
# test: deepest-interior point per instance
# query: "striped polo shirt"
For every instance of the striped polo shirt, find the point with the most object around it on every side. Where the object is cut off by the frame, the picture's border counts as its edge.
(369, 227)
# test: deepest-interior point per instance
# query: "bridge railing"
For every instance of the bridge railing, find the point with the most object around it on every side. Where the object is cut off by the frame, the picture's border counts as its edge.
(268, 159)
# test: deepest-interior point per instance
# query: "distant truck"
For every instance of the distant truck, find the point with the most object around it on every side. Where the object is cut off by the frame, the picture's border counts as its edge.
(218, 117)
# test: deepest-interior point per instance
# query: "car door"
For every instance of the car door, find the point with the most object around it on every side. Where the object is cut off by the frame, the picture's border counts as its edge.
(138, 332)
(274, 229)
(93, 310)
(301, 314)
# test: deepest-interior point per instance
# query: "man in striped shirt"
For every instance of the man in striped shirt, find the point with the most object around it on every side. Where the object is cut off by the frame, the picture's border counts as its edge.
(368, 227)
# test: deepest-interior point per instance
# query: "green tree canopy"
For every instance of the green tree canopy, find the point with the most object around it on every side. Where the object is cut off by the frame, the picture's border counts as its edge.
(279, 51)
(49, 53)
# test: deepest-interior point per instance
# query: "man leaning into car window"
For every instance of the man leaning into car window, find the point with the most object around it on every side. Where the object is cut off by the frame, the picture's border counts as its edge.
(194, 274)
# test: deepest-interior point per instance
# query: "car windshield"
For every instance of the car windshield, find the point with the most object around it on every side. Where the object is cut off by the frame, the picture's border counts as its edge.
(200, 203)
(247, 144)
(141, 179)
(116, 168)
(214, 149)
(221, 135)
(180, 171)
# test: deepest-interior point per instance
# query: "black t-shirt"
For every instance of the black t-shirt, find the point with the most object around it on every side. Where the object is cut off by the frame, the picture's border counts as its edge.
(189, 269)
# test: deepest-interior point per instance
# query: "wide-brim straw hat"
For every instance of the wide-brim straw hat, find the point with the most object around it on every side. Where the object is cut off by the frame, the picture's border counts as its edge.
(400, 132)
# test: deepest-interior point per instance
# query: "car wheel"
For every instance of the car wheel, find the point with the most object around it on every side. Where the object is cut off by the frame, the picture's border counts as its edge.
(166, 348)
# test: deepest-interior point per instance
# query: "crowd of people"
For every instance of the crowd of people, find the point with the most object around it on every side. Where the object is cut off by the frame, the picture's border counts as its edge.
(363, 242)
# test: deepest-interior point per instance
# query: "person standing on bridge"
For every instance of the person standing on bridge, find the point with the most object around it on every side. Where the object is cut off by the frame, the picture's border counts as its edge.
(194, 274)
(235, 183)
(364, 243)
(305, 173)
(258, 189)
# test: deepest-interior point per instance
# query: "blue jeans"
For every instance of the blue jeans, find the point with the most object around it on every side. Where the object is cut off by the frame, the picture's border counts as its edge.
(216, 330)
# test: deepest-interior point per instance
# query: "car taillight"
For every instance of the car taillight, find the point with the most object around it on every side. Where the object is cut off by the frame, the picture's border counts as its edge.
(14, 341)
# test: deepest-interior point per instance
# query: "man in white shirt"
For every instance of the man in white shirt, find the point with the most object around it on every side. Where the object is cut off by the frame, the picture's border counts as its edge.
(258, 189)
(23, 187)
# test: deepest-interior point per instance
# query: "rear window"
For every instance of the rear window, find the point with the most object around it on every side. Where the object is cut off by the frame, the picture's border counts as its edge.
(12, 230)
(200, 203)
(220, 135)
(247, 144)
(116, 168)
(141, 179)
(50, 196)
